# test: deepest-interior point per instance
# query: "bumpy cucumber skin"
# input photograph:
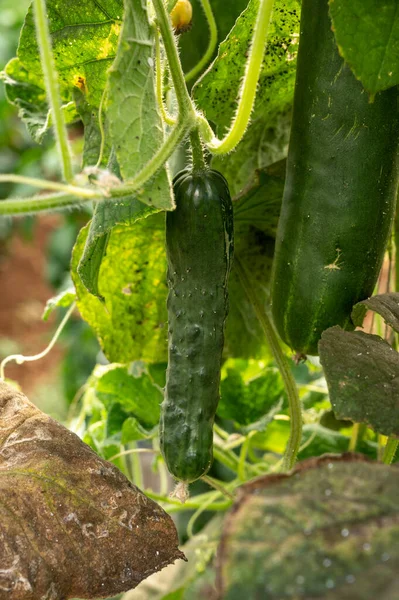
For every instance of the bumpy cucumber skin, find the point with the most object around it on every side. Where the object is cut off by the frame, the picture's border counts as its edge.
(199, 242)
(340, 192)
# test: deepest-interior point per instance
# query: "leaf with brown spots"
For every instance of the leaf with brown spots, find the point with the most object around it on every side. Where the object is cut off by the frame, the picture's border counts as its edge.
(329, 531)
(71, 525)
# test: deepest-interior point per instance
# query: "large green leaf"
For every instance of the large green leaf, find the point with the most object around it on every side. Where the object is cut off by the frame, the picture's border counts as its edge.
(84, 35)
(328, 531)
(131, 322)
(367, 33)
(71, 523)
(217, 91)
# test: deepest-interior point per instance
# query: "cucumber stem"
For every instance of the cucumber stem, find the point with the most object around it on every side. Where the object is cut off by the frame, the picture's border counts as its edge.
(294, 440)
(52, 88)
(213, 40)
(166, 117)
(358, 432)
(199, 164)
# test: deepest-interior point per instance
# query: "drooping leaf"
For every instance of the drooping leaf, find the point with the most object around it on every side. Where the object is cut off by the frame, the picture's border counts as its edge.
(63, 299)
(217, 91)
(362, 373)
(328, 531)
(84, 37)
(131, 323)
(367, 33)
(135, 124)
(71, 523)
(386, 305)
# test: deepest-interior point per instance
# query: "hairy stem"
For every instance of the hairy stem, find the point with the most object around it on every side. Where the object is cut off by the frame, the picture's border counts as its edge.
(14, 207)
(213, 40)
(48, 185)
(294, 440)
(183, 99)
(166, 117)
(247, 93)
(199, 164)
(52, 89)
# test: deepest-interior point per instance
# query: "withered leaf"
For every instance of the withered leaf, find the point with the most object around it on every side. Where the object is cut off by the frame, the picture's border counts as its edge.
(328, 531)
(71, 525)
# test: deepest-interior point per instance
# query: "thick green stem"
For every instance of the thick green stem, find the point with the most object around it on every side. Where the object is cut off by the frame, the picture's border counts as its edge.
(213, 40)
(48, 185)
(390, 450)
(247, 93)
(14, 207)
(294, 440)
(52, 89)
(199, 164)
(183, 99)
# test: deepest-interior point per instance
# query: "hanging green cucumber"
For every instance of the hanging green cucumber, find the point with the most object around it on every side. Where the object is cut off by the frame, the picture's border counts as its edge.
(340, 191)
(199, 242)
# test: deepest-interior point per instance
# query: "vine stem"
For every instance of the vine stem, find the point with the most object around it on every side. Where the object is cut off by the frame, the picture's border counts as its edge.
(167, 118)
(186, 107)
(20, 359)
(294, 440)
(52, 88)
(358, 431)
(248, 88)
(390, 450)
(213, 40)
(28, 206)
(48, 185)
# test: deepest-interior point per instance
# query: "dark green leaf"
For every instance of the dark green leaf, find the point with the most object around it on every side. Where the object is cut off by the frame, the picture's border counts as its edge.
(64, 511)
(367, 32)
(329, 531)
(386, 305)
(362, 373)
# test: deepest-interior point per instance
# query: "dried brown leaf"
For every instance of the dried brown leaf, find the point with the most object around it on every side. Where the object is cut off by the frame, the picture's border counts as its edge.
(71, 525)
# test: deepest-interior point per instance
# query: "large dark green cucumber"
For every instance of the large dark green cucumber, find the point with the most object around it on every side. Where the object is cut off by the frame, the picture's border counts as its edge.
(199, 242)
(339, 197)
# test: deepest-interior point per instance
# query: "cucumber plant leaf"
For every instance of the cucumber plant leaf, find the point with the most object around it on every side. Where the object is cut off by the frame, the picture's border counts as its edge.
(135, 123)
(327, 531)
(131, 322)
(84, 35)
(362, 373)
(244, 400)
(367, 33)
(216, 92)
(65, 510)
